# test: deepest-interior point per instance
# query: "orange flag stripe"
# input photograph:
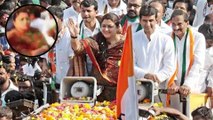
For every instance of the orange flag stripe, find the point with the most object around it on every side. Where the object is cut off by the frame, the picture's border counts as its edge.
(126, 69)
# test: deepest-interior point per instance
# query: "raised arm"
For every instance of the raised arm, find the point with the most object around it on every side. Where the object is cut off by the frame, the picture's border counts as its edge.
(74, 32)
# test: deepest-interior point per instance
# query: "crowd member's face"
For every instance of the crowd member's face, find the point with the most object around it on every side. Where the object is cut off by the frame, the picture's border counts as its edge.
(22, 21)
(133, 8)
(3, 19)
(159, 8)
(1, 2)
(113, 2)
(179, 25)
(148, 23)
(76, 4)
(88, 13)
(165, 2)
(12, 63)
(108, 28)
(210, 2)
(181, 5)
(209, 43)
(3, 76)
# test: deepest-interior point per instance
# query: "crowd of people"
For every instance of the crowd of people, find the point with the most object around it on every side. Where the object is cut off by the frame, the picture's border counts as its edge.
(172, 44)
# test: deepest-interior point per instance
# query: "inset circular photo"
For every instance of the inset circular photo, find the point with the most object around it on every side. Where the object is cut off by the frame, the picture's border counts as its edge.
(31, 30)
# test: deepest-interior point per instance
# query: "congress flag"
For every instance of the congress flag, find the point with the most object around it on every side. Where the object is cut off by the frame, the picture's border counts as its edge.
(127, 103)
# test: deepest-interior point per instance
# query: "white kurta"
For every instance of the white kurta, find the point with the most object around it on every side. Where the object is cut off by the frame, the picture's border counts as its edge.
(207, 73)
(86, 32)
(71, 13)
(164, 28)
(156, 56)
(120, 10)
(167, 14)
(202, 10)
(63, 54)
(29, 70)
(193, 79)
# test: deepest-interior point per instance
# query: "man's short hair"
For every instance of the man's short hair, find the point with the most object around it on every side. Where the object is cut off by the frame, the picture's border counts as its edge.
(160, 2)
(207, 30)
(147, 10)
(4, 66)
(203, 113)
(182, 13)
(187, 2)
(57, 11)
(88, 3)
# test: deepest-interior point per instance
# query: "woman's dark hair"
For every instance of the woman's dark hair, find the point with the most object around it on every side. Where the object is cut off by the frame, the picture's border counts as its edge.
(147, 10)
(20, 10)
(101, 40)
(88, 3)
(113, 17)
(182, 13)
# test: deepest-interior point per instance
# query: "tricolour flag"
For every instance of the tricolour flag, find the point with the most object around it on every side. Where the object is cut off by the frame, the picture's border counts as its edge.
(127, 103)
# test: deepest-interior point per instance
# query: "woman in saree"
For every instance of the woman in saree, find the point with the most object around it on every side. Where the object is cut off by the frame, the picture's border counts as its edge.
(104, 50)
(23, 38)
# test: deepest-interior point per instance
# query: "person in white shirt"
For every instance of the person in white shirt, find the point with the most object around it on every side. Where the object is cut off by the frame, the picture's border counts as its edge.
(163, 27)
(132, 16)
(190, 52)
(185, 5)
(154, 53)
(90, 25)
(73, 12)
(168, 10)
(63, 49)
(6, 84)
(207, 74)
(204, 7)
(115, 6)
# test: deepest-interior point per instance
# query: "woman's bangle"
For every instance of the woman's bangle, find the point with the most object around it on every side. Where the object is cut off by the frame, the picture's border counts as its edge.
(74, 37)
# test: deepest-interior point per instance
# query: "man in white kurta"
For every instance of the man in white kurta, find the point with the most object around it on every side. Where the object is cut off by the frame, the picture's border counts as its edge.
(153, 56)
(163, 27)
(132, 16)
(89, 26)
(64, 53)
(190, 80)
(63, 50)
(203, 8)
(116, 6)
(153, 51)
(73, 12)
(6, 85)
(207, 74)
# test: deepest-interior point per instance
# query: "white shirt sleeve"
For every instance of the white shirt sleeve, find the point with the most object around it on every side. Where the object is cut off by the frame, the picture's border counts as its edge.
(139, 72)
(169, 63)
